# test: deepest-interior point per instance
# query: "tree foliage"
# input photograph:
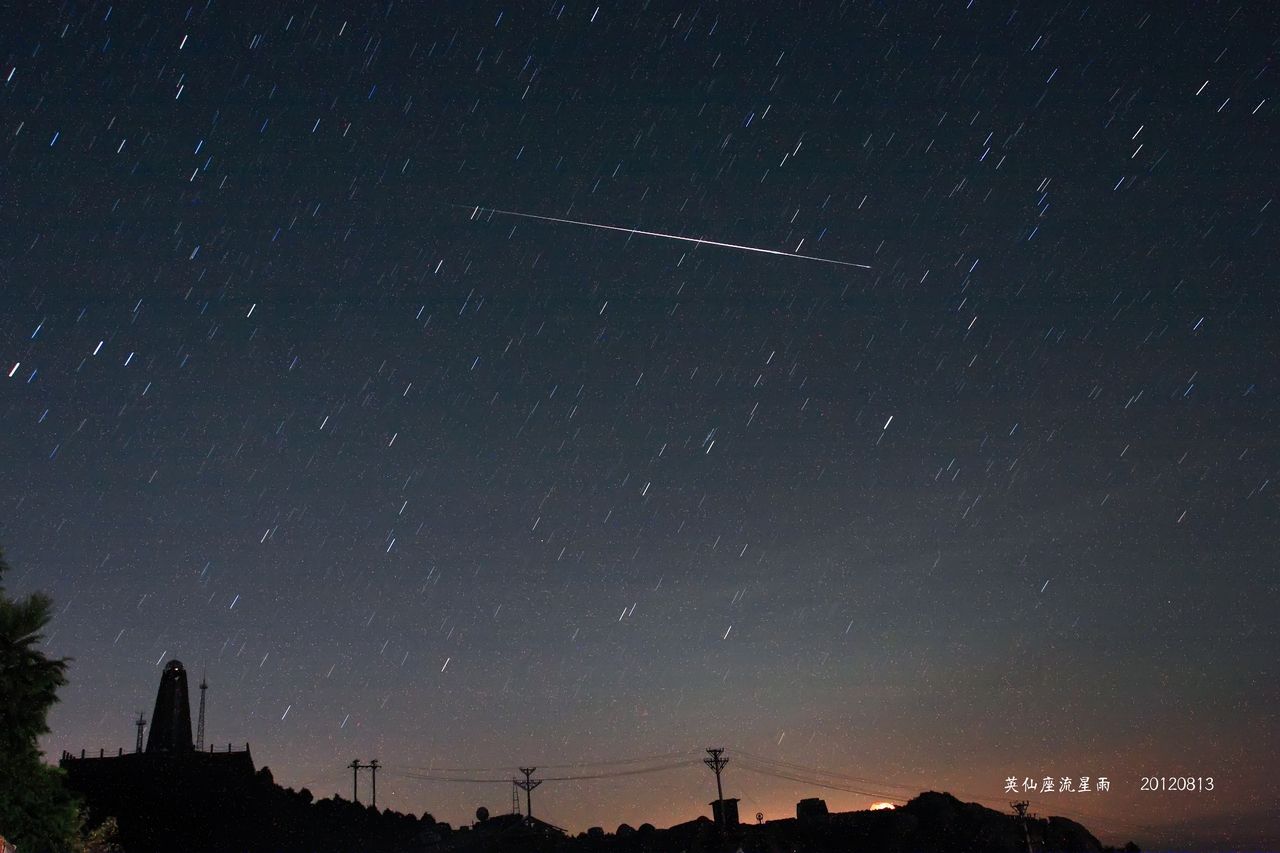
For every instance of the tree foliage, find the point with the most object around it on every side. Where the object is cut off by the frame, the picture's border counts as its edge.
(36, 811)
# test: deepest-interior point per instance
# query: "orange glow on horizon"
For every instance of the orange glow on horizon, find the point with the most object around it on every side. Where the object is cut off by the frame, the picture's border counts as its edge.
(875, 807)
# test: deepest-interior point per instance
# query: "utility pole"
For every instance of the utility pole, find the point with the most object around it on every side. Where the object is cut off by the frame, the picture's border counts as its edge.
(528, 785)
(356, 767)
(717, 763)
(141, 723)
(204, 685)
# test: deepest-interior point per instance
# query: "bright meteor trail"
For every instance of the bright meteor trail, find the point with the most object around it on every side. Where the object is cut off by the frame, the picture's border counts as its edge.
(699, 240)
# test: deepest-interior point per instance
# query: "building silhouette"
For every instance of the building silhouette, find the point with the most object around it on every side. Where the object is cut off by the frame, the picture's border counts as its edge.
(171, 720)
(725, 812)
(169, 746)
(174, 780)
(812, 810)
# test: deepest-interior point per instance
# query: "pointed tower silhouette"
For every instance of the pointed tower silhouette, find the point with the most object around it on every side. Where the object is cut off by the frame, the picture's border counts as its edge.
(171, 720)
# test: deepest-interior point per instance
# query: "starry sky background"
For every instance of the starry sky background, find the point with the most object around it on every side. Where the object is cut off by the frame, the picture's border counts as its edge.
(454, 489)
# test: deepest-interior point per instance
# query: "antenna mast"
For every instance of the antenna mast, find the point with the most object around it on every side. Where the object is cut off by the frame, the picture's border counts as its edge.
(204, 685)
(141, 723)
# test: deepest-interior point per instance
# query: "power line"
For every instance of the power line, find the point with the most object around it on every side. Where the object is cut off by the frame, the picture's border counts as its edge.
(641, 759)
(801, 768)
(483, 780)
(823, 775)
(841, 782)
(612, 775)
(321, 781)
(463, 780)
(777, 774)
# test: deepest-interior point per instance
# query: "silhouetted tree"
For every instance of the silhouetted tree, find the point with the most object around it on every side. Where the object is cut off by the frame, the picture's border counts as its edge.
(36, 810)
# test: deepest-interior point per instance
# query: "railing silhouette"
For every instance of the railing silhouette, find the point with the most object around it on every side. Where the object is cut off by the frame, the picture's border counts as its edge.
(102, 753)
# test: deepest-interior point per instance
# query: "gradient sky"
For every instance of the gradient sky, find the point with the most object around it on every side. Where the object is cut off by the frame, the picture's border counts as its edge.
(453, 489)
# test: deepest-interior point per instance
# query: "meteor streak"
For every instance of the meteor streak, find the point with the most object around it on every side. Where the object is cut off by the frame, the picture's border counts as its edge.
(701, 241)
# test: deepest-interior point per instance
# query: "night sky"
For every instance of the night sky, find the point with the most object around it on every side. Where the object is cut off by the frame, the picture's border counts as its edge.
(457, 490)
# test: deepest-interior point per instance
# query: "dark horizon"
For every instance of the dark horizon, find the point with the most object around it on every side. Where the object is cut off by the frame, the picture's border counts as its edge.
(284, 396)
(832, 785)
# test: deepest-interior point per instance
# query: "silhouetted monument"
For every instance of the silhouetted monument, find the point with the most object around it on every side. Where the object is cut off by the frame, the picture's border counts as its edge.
(171, 720)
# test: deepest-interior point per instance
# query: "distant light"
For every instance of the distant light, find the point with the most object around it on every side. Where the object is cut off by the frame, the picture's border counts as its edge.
(875, 807)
